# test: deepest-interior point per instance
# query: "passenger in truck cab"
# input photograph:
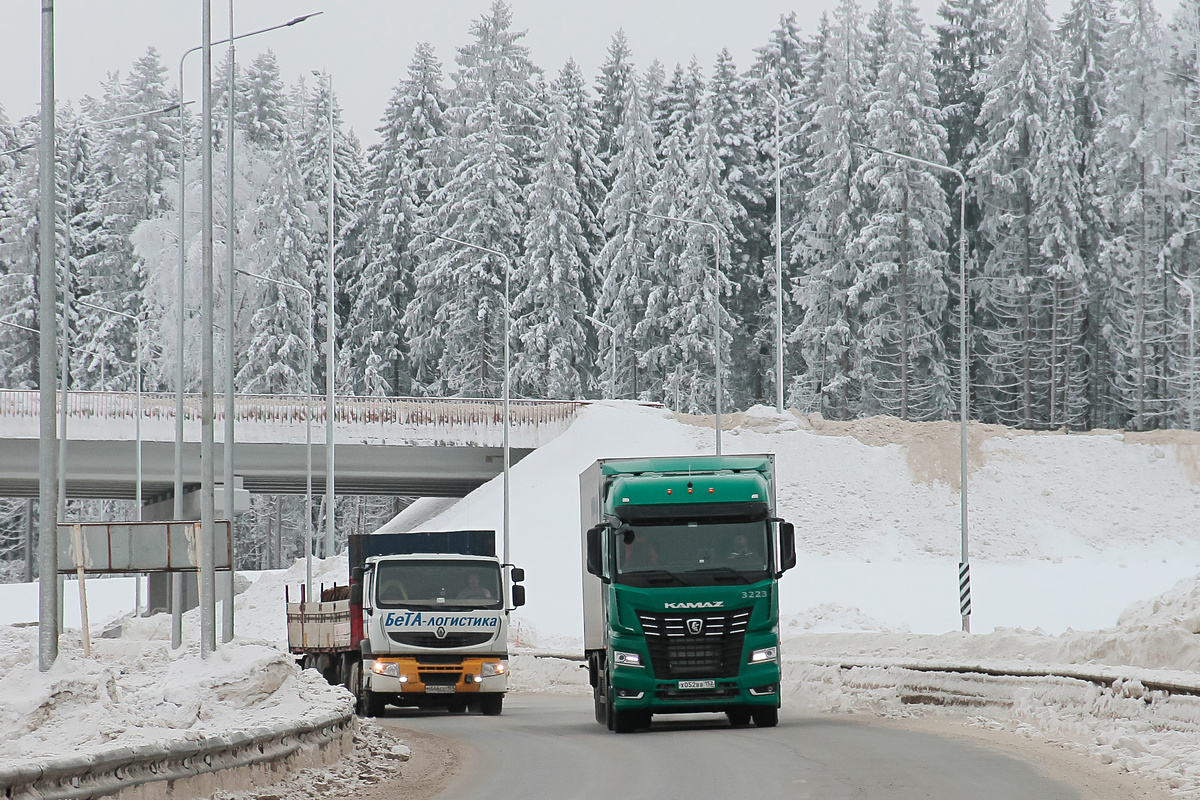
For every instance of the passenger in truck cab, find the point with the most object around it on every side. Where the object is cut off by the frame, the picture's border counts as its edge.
(473, 590)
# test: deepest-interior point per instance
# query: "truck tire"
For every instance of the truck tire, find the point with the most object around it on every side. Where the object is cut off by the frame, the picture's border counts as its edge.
(373, 703)
(766, 717)
(492, 705)
(739, 717)
(626, 720)
(353, 684)
(601, 706)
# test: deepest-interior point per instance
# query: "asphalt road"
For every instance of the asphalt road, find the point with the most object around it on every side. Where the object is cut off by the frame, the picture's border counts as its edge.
(550, 748)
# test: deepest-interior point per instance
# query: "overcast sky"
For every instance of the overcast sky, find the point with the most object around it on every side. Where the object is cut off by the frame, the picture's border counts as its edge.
(367, 44)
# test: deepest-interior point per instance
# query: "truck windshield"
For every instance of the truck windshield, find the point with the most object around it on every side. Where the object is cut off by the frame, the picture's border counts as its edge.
(693, 554)
(437, 584)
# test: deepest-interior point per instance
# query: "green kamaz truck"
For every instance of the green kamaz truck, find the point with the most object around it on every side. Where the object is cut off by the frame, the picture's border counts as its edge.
(682, 557)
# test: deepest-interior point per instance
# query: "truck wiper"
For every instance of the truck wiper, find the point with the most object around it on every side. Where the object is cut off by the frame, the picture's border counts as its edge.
(657, 576)
(726, 574)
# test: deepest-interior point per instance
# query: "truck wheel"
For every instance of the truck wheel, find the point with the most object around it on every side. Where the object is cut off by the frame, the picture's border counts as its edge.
(601, 706)
(625, 721)
(738, 717)
(354, 686)
(373, 704)
(492, 705)
(766, 717)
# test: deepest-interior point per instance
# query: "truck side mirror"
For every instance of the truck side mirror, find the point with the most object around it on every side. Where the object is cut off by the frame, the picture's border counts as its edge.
(356, 574)
(787, 546)
(595, 554)
(518, 596)
(356, 594)
(517, 574)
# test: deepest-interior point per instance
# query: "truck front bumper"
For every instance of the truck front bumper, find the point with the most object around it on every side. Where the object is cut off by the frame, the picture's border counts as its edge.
(638, 688)
(406, 675)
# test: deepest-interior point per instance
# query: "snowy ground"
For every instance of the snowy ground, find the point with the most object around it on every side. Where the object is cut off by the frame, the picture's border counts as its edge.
(1072, 538)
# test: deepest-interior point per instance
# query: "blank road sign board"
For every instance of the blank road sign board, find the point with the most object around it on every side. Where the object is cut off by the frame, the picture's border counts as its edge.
(140, 547)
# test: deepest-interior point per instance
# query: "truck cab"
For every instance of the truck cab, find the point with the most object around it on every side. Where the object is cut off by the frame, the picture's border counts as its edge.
(435, 631)
(681, 606)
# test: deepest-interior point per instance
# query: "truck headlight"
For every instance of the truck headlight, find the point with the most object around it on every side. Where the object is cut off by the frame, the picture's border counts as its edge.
(490, 669)
(623, 659)
(765, 654)
(389, 668)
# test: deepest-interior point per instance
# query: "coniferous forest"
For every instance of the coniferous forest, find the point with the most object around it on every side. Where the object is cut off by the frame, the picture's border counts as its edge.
(1074, 138)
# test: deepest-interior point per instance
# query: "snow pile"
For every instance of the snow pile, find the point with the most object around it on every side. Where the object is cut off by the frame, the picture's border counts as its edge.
(135, 693)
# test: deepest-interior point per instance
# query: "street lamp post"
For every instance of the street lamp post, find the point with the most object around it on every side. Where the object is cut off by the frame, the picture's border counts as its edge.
(779, 381)
(329, 325)
(308, 532)
(716, 304)
(47, 491)
(176, 579)
(964, 565)
(507, 379)
(612, 335)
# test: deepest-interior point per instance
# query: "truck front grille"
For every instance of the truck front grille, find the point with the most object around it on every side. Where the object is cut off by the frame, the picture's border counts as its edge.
(431, 640)
(691, 645)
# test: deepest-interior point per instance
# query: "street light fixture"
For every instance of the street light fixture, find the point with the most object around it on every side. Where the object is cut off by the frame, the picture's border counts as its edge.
(964, 566)
(329, 324)
(717, 331)
(507, 378)
(176, 580)
(308, 532)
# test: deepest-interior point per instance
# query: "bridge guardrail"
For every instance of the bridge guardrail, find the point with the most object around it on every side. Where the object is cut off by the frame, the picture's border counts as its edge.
(123, 768)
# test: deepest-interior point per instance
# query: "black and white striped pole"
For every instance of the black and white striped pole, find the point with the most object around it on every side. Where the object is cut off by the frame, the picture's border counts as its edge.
(964, 594)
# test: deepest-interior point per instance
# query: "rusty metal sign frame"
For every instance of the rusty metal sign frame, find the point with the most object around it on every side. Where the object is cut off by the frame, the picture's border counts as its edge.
(104, 540)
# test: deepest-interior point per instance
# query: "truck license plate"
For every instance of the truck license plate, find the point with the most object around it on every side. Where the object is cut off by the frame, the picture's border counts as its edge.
(439, 689)
(697, 684)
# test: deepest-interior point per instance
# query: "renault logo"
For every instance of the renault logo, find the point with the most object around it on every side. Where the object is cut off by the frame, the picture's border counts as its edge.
(695, 625)
(440, 633)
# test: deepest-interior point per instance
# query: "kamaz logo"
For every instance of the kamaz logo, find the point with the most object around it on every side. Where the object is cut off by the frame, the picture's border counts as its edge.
(713, 604)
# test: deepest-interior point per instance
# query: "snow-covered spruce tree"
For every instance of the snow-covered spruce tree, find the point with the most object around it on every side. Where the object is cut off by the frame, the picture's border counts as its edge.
(689, 297)
(777, 72)
(824, 236)
(1014, 294)
(1131, 140)
(313, 156)
(617, 76)
(134, 164)
(747, 263)
(276, 358)
(1059, 212)
(622, 264)
(262, 108)
(879, 34)
(967, 41)
(591, 173)
(402, 175)
(549, 304)
(664, 275)
(455, 321)
(900, 297)
(1085, 36)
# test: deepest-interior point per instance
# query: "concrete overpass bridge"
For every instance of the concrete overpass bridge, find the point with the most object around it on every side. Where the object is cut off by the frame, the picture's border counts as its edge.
(441, 447)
